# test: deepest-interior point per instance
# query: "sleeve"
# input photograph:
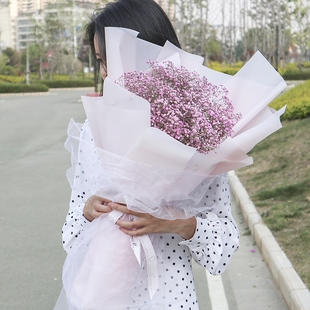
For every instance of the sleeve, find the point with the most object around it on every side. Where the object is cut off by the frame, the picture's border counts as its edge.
(216, 237)
(75, 221)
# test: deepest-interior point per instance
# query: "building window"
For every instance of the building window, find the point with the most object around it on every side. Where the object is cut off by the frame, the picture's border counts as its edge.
(23, 29)
(23, 22)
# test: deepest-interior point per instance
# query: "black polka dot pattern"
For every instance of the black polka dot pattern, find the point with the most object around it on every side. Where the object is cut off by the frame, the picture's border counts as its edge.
(215, 240)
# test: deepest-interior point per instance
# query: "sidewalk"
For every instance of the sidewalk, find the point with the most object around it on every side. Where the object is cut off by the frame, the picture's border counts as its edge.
(246, 284)
(294, 291)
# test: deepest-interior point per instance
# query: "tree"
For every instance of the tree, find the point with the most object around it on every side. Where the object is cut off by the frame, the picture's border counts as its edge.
(12, 56)
(34, 57)
(190, 22)
(302, 36)
(213, 47)
(4, 60)
(271, 22)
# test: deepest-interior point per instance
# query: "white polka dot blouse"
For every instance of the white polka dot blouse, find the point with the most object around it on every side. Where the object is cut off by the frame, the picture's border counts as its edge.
(215, 240)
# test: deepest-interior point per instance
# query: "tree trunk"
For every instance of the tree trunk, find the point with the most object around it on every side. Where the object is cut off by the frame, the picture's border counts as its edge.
(27, 66)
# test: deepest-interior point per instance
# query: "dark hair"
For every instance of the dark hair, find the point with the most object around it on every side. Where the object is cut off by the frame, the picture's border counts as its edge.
(144, 16)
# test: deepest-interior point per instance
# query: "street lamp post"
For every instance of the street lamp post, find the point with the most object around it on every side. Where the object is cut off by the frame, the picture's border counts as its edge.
(74, 31)
(27, 66)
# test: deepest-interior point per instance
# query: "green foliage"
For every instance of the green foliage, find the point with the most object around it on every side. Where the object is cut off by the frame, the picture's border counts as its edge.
(22, 88)
(291, 66)
(213, 46)
(297, 100)
(296, 75)
(282, 214)
(291, 72)
(225, 68)
(296, 71)
(68, 83)
(12, 56)
(8, 70)
(230, 71)
(214, 50)
(285, 192)
(3, 61)
(11, 79)
(278, 182)
(35, 52)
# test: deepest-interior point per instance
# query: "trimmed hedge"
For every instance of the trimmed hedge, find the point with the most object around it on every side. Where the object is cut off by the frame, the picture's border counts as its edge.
(67, 83)
(297, 100)
(296, 75)
(22, 88)
(11, 79)
(230, 71)
(225, 68)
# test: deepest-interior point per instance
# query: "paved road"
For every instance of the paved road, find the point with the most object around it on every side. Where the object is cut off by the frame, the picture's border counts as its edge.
(33, 202)
(33, 196)
(247, 283)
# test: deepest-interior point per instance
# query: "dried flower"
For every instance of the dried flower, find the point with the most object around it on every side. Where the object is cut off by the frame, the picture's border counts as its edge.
(184, 105)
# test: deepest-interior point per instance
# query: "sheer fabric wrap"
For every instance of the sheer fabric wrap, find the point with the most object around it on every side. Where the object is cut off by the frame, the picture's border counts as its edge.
(163, 192)
(101, 270)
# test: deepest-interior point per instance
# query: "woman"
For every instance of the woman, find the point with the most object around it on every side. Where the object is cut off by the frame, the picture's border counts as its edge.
(211, 237)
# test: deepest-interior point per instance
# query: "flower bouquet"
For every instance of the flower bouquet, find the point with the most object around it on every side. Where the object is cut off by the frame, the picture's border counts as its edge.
(184, 105)
(165, 123)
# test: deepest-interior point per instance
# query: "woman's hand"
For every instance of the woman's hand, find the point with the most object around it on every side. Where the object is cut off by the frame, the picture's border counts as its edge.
(95, 206)
(148, 224)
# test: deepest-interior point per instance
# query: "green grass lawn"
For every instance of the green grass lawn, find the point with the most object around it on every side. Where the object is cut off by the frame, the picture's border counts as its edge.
(279, 184)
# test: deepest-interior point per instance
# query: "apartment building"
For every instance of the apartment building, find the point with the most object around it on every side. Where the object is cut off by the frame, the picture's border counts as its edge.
(18, 17)
(5, 25)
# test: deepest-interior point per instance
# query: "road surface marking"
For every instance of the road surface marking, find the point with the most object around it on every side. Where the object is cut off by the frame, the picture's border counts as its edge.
(217, 292)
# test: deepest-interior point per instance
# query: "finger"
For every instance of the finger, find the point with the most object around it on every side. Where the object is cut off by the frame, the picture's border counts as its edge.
(96, 214)
(138, 232)
(124, 209)
(130, 224)
(102, 207)
(102, 200)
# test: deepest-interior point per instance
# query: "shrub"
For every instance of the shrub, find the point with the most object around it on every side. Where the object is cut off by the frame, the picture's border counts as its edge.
(22, 88)
(297, 100)
(230, 71)
(11, 79)
(67, 83)
(8, 70)
(225, 68)
(296, 75)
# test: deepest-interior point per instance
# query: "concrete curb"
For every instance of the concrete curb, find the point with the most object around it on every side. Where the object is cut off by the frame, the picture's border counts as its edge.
(45, 93)
(24, 94)
(293, 289)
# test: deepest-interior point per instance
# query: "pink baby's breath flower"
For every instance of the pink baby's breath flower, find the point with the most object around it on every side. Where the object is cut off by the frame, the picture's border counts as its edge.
(184, 105)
